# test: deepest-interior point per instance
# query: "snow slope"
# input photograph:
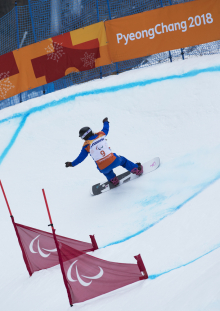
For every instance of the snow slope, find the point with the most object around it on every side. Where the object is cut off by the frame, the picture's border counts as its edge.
(170, 216)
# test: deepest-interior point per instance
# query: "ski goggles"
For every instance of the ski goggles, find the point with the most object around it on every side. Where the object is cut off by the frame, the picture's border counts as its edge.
(86, 133)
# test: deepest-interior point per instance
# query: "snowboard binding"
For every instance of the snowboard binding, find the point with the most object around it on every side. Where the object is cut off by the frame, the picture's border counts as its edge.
(139, 170)
(115, 181)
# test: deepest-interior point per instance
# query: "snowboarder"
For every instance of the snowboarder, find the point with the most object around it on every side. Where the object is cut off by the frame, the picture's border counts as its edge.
(106, 161)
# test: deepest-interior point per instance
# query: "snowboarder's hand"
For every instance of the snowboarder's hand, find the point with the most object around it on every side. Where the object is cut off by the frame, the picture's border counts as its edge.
(68, 164)
(105, 120)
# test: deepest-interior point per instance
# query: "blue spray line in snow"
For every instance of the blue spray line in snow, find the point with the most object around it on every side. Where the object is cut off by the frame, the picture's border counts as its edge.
(170, 212)
(110, 89)
(14, 137)
(154, 276)
(25, 115)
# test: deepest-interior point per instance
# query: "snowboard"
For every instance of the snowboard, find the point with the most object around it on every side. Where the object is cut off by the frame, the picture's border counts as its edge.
(148, 167)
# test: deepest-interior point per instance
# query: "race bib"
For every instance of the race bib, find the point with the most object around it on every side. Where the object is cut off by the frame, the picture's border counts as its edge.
(101, 153)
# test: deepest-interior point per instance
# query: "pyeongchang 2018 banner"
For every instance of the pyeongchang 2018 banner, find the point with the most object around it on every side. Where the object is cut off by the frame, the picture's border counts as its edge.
(51, 59)
(172, 27)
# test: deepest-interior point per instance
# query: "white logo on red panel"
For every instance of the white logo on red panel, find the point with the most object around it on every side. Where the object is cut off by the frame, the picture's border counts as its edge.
(83, 283)
(39, 249)
(55, 51)
(5, 84)
(88, 59)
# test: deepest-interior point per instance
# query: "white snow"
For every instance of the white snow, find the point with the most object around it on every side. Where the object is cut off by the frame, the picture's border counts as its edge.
(171, 216)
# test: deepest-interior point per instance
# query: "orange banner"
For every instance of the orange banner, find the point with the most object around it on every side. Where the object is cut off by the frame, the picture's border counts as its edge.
(163, 29)
(52, 59)
(134, 36)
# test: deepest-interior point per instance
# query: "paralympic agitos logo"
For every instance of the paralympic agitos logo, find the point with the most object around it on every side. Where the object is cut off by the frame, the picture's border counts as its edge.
(42, 254)
(83, 283)
(99, 148)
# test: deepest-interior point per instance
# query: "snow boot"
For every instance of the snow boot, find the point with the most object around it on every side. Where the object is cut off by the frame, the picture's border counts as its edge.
(138, 171)
(115, 181)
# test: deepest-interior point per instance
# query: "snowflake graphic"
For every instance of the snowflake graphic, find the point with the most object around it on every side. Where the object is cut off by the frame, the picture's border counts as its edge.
(55, 51)
(5, 84)
(88, 60)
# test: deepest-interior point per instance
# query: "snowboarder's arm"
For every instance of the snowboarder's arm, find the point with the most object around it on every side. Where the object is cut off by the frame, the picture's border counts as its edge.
(106, 126)
(83, 154)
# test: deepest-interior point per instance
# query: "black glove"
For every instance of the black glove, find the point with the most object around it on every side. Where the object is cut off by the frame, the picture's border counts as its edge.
(68, 164)
(105, 120)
